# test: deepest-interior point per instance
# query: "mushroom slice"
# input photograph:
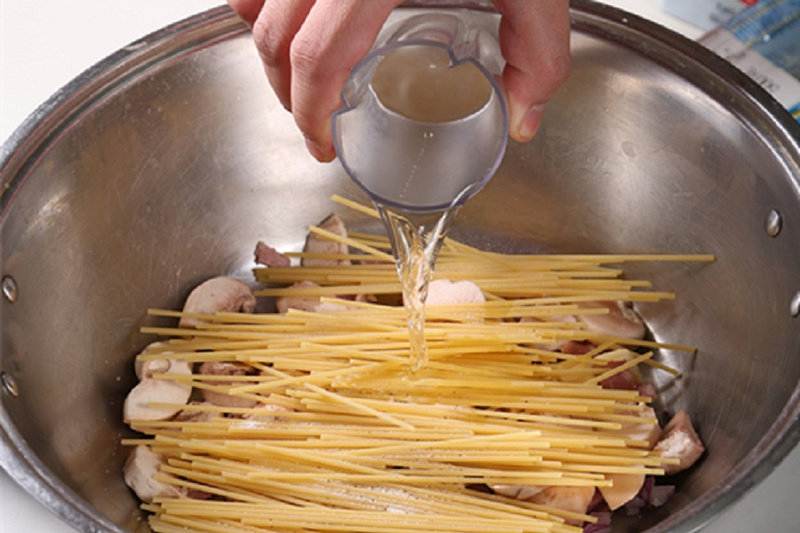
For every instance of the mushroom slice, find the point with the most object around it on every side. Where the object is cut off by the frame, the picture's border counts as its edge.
(574, 499)
(623, 490)
(151, 390)
(268, 256)
(151, 367)
(217, 294)
(643, 431)
(139, 472)
(302, 303)
(194, 415)
(226, 369)
(680, 441)
(153, 347)
(312, 303)
(519, 492)
(621, 320)
(317, 244)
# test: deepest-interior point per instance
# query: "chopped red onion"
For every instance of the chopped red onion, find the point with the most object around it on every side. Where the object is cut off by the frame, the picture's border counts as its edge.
(660, 494)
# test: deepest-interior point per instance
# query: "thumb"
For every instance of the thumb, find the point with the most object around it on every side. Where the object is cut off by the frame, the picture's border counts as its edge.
(247, 9)
(534, 39)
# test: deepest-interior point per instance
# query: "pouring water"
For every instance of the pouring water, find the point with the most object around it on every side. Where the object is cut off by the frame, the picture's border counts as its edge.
(423, 129)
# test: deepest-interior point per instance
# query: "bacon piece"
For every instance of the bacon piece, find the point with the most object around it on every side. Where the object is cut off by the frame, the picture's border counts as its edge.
(268, 256)
(624, 380)
(577, 347)
(317, 244)
(680, 441)
(628, 379)
(647, 389)
(217, 368)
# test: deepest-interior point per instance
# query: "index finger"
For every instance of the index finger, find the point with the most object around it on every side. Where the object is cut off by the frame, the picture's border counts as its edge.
(334, 37)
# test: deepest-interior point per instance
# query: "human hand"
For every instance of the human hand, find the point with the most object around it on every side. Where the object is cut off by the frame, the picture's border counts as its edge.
(308, 48)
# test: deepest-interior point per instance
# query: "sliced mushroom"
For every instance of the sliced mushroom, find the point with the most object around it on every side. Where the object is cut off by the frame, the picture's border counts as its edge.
(302, 303)
(151, 390)
(317, 244)
(153, 347)
(623, 490)
(151, 367)
(574, 499)
(217, 294)
(268, 256)
(226, 369)
(139, 472)
(519, 492)
(620, 321)
(643, 431)
(312, 303)
(446, 292)
(680, 441)
(194, 415)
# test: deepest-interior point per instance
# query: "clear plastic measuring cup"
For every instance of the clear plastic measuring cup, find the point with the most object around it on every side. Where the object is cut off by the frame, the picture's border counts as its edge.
(424, 123)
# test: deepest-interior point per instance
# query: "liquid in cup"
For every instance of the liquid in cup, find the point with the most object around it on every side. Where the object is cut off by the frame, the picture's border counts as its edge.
(422, 129)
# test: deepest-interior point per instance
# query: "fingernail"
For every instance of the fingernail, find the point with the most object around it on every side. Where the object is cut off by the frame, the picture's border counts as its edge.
(319, 154)
(528, 124)
(313, 149)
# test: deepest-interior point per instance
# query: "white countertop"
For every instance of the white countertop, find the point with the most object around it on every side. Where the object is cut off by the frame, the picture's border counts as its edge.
(45, 44)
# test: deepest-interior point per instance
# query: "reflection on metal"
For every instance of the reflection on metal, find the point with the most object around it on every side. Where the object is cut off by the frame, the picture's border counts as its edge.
(774, 222)
(10, 289)
(9, 384)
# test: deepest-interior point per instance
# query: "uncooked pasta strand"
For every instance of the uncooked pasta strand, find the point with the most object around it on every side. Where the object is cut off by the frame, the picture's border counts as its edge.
(340, 431)
(352, 243)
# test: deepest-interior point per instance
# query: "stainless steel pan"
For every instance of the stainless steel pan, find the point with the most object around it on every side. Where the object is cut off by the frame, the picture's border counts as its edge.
(165, 163)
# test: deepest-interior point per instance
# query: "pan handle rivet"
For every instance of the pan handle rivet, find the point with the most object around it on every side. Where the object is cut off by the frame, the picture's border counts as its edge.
(10, 289)
(794, 306)
(9, 385)
(774, 222)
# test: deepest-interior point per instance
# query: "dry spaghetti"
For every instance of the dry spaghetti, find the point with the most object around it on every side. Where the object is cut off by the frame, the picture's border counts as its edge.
(331, 433)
